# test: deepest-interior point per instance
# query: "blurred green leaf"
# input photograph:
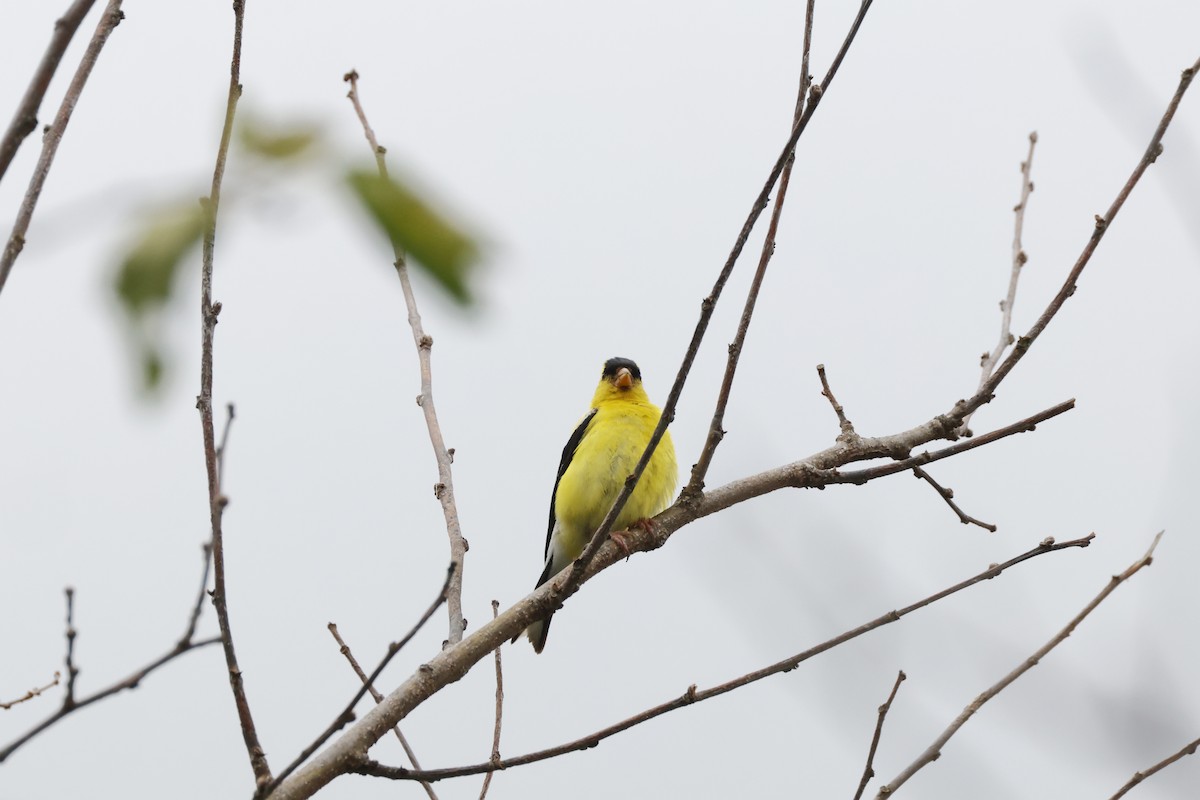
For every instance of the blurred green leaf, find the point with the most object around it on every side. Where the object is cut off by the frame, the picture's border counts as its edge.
(278, 142)
(420, 231)
(147, 271)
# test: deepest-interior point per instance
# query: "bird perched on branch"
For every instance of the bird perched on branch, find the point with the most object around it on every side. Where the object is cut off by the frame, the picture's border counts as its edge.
(599, 456)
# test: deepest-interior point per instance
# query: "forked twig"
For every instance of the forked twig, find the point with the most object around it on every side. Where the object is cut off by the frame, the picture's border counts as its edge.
(344, 649)
(692, 491)
(444, 489)
(24, 119)
(109, 20)
(347, 716)
(934, 750)
(71, 703)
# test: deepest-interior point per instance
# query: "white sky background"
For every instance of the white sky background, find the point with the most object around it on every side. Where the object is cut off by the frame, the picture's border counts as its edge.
(609, 155)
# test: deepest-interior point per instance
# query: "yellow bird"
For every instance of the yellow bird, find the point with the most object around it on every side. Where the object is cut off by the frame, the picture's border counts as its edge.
(599, 456)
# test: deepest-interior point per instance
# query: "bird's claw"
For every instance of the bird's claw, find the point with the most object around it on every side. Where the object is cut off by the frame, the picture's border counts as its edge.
(618, 538)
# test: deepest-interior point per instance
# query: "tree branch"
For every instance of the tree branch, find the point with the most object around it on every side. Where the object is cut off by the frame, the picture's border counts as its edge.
(109, 20)
(990, 360)
(694, 695)
(1187, 750)
(869, 770)
(347, 716)
(209, 312)
(71, 704)
(948, 496)
(715, 430)
(689, 495)
(934, 751)
(487, 779)
(444, 489)
(24, 120)
(344, 649)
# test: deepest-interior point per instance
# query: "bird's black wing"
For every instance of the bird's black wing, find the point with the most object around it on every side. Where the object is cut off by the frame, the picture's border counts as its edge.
(567, 454)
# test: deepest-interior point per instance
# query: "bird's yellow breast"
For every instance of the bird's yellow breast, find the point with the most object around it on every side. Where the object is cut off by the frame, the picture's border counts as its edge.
(611, 446)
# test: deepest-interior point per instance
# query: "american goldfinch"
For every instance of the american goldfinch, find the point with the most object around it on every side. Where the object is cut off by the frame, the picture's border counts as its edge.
(599, 456)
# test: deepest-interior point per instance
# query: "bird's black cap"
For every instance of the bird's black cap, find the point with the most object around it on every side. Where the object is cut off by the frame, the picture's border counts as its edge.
(613, 364)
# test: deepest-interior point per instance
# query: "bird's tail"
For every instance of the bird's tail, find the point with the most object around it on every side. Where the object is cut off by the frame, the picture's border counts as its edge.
(538, 631)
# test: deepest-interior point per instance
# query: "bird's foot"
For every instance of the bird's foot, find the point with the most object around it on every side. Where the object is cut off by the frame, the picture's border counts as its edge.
(618, 538)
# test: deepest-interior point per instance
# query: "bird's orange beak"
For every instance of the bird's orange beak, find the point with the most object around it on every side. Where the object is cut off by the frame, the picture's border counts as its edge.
(624, 379)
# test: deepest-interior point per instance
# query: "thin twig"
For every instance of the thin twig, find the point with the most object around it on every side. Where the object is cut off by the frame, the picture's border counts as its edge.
(24, 120)
(69, 661)
(229, 415)
(948, 495)
(32, 693)
(347, 716)
(848, 434)
(1187, 750)
(934, 750)
(1153, 151)
(71, 704)
(691, 492)
(216, 497)
(444, 489)
(990, 360)
(716, 431)
(487, 779)
(694, 695)
(344, 649)
(109, 20)
(869, 770)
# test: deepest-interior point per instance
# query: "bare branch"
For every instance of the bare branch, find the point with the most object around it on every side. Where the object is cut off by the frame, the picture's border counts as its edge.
(948, 496)
(715, 430)
(347, 716)
(869, 770)
(848, 434)
(444, 489)
(24, 120)
(209, 312)
(691, 492)
(934, 750)
(694, 695)
(32, 693)
(71, 704)
(487, 779)
(344, 649)
(1187, 750)
(990, 360)
(109, 20)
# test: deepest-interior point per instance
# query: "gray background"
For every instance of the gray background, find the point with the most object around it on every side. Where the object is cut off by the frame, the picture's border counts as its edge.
(608, 154)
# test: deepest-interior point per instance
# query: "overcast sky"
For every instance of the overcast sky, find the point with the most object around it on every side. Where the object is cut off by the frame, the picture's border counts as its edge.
(608, 155)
